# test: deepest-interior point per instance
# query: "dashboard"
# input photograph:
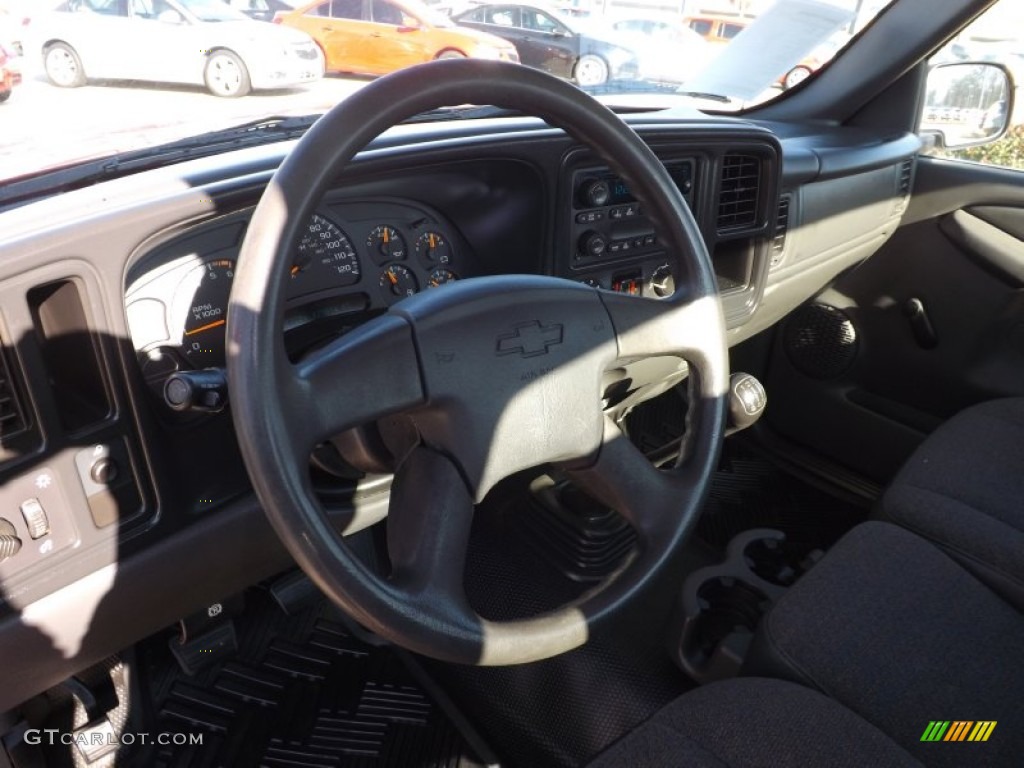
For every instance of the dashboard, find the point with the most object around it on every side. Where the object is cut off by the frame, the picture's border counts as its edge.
(114, 297)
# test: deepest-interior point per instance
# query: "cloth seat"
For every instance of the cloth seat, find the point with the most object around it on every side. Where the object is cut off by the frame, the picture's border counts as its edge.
(899, 633)
(754, 723)
(963, 490)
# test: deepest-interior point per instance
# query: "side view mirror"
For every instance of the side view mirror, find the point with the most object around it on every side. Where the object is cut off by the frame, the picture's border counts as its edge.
(967, 104)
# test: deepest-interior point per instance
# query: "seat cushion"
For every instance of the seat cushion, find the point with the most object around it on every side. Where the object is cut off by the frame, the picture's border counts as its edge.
(963, 489)
(758, 723)
(896, 631)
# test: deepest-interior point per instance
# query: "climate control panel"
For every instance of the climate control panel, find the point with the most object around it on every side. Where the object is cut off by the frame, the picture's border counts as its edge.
(612, 243)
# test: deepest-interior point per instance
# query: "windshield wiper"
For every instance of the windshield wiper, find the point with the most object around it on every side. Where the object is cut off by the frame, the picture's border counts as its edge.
(83, 174)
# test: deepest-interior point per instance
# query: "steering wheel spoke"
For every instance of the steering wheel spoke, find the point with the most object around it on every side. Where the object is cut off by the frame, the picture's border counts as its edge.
(691, 328)
(364, 375)
(625, 480)
(428, 528)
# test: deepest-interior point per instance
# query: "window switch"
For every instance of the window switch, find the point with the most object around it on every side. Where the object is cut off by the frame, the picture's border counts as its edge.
(35, 518)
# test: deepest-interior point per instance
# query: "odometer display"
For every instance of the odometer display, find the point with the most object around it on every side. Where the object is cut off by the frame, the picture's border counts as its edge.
(325, 258)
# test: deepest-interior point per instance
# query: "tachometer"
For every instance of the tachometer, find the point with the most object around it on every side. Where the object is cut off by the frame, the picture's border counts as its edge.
(325, 258)
(205, 290)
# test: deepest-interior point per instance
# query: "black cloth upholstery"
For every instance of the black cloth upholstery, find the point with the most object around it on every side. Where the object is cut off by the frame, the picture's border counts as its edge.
(963, 489)
(896, 631)
(754, 723)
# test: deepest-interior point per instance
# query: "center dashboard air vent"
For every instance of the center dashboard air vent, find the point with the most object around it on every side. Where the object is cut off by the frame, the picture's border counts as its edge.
(738, 192)
(12, 417)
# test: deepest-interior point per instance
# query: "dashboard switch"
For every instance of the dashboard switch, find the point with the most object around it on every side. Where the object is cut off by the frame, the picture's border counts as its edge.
(10, 544)
(103, 471)
(663, 282)
(205, 390)
(595, 193)
(593, 244)
(36, 521)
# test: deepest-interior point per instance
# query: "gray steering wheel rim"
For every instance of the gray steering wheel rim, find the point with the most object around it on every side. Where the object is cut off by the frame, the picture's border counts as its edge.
(260, 375)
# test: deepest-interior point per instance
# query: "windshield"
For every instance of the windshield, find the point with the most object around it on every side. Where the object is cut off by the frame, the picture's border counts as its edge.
(88, 79)
(209, 10)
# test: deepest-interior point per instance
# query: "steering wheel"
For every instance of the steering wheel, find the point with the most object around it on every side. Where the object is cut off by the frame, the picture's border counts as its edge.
(498, 374)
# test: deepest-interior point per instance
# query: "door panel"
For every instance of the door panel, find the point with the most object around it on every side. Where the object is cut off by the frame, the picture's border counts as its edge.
(934, 322)
(999, 250)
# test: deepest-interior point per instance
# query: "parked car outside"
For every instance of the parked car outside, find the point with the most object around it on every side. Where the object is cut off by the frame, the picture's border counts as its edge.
(12, 26)
(668, 50)
(569, 47)
(9, 75)
(375, 37)
(261, 10)
(198, 42)
(718, 28)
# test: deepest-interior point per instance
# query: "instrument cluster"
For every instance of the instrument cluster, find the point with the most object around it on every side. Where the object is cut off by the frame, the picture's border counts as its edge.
(354, 261)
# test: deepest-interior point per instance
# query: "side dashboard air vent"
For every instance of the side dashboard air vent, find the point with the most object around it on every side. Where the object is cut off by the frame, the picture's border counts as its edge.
(737, 199)
(12, 417)
(781, 230)
(906, 176)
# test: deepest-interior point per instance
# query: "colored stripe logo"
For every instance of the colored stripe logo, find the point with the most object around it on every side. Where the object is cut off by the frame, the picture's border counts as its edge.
(958, 730)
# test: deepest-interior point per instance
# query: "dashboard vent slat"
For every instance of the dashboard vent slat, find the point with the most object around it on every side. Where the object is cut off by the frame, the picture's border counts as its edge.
(737, 198)
(12, 419)
(781, 230)
(906, 175)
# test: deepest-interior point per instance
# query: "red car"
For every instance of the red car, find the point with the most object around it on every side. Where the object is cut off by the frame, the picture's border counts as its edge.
(10, 74)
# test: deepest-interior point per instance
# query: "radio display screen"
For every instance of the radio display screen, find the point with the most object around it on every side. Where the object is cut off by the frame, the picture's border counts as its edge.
(681, 173)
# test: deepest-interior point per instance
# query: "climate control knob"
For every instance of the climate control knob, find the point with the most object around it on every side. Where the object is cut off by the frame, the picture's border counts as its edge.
(595, 193)
(592, 244)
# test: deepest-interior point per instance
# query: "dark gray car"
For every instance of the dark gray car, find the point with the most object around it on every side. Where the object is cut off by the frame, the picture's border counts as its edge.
(561, 45)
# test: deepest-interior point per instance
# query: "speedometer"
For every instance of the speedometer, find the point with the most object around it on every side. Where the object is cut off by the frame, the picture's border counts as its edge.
(325, 258)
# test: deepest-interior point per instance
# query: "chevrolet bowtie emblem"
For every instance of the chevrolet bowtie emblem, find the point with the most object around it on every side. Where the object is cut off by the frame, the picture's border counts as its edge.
(530, 339)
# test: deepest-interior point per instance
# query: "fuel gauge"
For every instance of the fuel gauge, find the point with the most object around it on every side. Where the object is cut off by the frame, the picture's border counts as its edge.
(440, 276)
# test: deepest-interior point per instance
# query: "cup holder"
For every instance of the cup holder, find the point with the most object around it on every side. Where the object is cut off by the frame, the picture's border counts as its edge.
(721, 605)
(779, 562)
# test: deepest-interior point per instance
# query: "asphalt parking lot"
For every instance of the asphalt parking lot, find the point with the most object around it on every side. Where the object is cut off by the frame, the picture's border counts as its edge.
(42, 125)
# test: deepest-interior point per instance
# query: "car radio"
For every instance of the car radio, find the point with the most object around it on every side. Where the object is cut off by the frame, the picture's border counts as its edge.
(608, 222)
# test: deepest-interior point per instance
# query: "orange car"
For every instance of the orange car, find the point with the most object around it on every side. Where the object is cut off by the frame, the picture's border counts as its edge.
(378, 36)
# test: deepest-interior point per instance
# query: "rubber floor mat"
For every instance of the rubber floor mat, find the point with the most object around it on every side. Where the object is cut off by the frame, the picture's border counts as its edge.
(300, 692)
(749, 491)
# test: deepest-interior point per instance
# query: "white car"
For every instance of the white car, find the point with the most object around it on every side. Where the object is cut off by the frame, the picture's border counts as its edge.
(667, 50)
(200, 42)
